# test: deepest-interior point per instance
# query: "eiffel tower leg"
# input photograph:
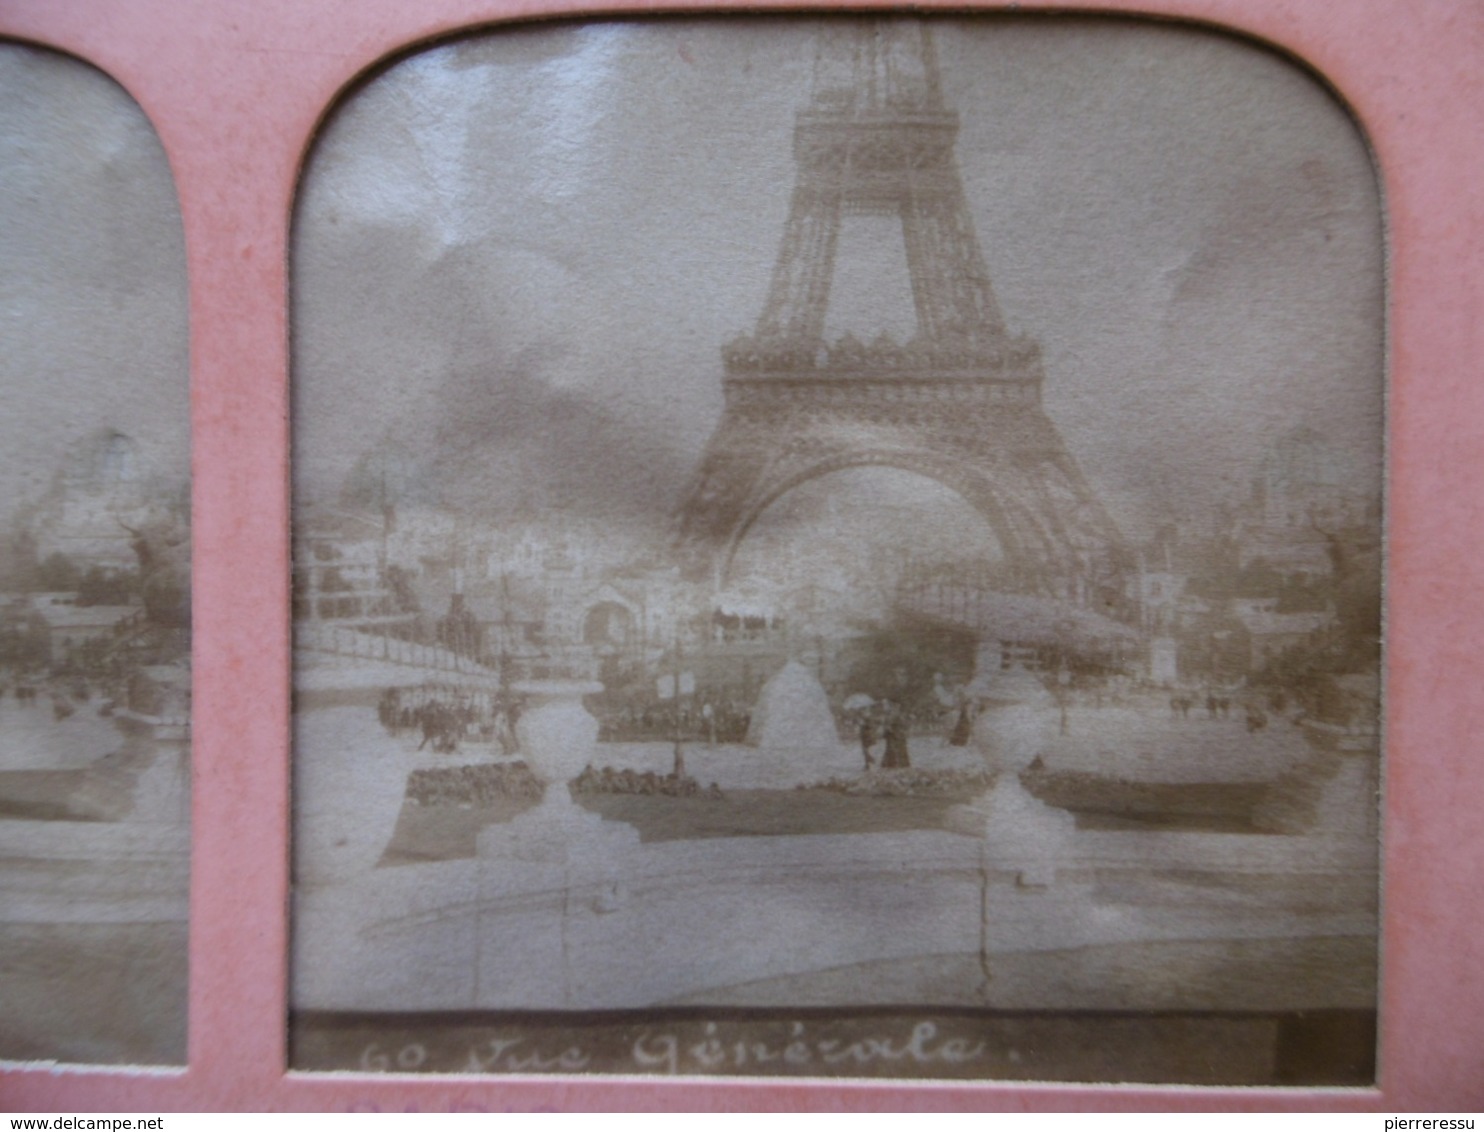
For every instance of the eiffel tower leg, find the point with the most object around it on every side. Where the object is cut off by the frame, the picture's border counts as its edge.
(800, 291)
(950, 281)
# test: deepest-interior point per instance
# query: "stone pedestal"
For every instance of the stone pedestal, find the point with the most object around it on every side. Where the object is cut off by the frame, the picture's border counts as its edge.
(347, 802)
(162, 795)
(1335, 793)
(560, 834)
(570, 863)
(1349, 806)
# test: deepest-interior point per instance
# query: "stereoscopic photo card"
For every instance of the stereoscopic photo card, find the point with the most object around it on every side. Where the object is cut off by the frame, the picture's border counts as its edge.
(838, 547)
(95, 559)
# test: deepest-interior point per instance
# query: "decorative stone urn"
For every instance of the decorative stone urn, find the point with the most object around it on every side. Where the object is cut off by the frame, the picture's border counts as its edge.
(349, 798)
(1018, 721)
(557, 735)
(558, 738)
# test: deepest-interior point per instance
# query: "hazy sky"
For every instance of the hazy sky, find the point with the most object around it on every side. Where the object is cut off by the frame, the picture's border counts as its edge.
(92, 276)
(517, 256)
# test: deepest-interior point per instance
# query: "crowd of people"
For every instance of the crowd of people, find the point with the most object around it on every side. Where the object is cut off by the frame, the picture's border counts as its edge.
(695, 719)
(1220, 706)
(1217, 707)
(84, 675)
(889, 725)
(445, 715)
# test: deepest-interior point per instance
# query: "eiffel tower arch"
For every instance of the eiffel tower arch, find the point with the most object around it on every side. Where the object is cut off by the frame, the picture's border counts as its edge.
(960, 402)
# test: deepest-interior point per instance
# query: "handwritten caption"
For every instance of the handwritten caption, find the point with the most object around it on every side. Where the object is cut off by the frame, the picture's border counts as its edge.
(713, 1051)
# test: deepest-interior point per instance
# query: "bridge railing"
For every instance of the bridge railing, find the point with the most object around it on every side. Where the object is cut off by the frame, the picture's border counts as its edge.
(338, 640)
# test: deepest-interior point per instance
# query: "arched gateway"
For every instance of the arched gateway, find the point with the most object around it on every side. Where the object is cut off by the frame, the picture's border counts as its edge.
(960, 402)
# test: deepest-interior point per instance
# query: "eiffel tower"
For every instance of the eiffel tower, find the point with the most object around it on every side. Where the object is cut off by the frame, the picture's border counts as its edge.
(960, 402)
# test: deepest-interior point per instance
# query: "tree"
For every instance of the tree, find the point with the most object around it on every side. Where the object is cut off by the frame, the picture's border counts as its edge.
(57, 574)
(107, 587)
(898, 663)
(163, 549)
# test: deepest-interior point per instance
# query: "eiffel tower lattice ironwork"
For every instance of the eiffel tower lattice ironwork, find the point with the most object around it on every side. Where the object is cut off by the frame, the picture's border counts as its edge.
(960, 402)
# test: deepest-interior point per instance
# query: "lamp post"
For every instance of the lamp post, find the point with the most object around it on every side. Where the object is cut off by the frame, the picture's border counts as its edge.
(1063, 694)
(677, 771)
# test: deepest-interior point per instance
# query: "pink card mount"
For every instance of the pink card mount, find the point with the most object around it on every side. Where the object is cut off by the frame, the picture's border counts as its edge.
(237, 97)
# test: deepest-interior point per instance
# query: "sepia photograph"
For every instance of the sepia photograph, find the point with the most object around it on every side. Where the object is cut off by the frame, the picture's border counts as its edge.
(829, 547)
(94, 574)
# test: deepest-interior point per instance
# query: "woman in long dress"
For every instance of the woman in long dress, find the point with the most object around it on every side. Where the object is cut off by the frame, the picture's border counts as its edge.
(895, 756)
